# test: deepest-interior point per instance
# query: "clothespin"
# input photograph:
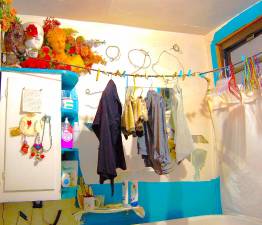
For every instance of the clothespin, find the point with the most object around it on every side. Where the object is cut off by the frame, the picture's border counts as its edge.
(180, 73)
(146, 76)
(124, 74)
(98, 74)
(117, 73)
(201, 75)
(184, 76)
(243, 58)
(134, 79)
(189, 73)
(126, 79)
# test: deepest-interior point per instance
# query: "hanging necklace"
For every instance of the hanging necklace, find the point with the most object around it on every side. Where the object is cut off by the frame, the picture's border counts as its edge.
(47, 120)
(38, 150)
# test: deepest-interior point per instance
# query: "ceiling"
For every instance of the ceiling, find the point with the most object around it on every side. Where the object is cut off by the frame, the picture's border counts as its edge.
(189, 16)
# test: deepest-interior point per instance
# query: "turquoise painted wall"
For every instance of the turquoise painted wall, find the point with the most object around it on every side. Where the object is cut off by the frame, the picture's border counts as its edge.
(244, 18)
(162, 201)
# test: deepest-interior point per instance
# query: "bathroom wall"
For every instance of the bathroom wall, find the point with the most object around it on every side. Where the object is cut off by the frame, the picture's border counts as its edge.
(193, 55)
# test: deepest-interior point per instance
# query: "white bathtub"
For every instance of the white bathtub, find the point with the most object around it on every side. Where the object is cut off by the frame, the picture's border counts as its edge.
(211, 220)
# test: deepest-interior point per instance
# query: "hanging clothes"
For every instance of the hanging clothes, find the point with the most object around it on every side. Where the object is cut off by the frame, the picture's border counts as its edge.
(180, 140)
(134, 115)
(237, 135)
(153, 145)
(182, 137)
(107, 127)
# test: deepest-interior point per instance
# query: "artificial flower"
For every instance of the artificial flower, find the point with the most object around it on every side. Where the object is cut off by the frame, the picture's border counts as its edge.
(72, 51)
(70, 31)
(31, 31)
(84, 51)
(4, 25)
(70, 40)
(50, 23)
(45, 49)
(13, 12)
(80, 39)
(35, 63)
(62, 67)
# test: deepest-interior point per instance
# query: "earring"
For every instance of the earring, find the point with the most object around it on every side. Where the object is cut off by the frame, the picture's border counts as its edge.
(25, 146)
(37, 149)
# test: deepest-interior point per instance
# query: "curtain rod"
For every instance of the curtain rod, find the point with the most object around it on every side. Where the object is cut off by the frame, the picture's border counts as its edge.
(200, 74)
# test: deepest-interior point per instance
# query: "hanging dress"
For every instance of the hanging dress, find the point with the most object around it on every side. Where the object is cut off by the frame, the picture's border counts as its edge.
(183, 138)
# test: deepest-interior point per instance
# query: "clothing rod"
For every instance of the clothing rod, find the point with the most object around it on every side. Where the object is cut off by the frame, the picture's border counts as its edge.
(200, 74)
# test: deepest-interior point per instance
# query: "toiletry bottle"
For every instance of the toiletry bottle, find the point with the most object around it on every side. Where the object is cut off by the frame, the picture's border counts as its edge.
(67, 135)
(134, 194)
(125, 193)
(76, 132)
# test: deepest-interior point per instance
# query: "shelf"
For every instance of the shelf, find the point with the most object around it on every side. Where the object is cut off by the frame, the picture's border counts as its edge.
(69, 113)
(69, 150)
(68, 192)
(69, 78)
(138, 210)
(109, 210)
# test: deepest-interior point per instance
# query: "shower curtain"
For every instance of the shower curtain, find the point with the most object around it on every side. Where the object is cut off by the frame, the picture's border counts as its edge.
(238, 137)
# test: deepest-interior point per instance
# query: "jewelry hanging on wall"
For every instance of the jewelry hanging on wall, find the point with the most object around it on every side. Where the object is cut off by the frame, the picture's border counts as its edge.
(146, 61)
(38, 150)
(47, 120)
(25, 146)
(113, 53)
(30, 125)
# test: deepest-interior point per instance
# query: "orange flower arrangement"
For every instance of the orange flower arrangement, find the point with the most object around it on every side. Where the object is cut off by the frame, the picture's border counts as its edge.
(7, 15)
(74, 51)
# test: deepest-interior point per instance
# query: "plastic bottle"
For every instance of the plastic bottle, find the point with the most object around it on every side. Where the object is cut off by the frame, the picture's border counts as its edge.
(67, 135)
(76, 132)
(134, 194)
(125, 193)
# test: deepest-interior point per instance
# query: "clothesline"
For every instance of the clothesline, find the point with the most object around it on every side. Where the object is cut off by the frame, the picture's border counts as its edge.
(238, 66)
(201, 74)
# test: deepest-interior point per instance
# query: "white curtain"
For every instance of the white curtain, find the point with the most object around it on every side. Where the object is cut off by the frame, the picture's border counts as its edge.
(238, 134)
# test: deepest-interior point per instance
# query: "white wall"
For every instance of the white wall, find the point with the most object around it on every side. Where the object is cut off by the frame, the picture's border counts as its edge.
(194, 56)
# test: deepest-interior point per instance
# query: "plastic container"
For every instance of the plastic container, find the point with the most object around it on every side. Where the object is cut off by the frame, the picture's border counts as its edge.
(76, 132)
(67, 135)
(134, 194)
(125, 193)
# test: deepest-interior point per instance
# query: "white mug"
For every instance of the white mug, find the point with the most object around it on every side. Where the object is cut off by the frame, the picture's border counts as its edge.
(89, 203)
